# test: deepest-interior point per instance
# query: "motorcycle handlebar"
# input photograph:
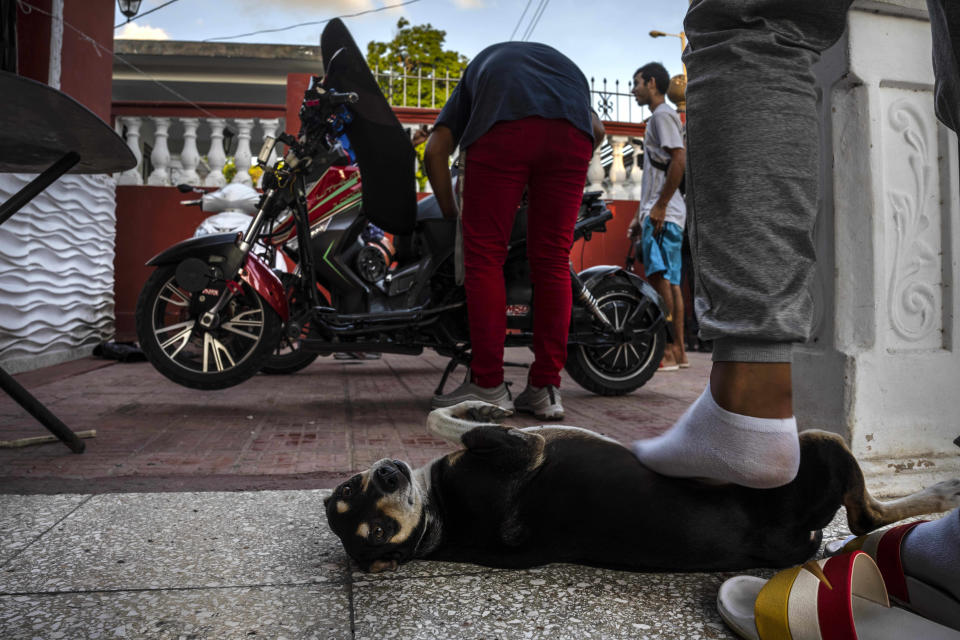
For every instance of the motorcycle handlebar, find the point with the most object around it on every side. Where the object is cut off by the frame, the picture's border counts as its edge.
(343, 98)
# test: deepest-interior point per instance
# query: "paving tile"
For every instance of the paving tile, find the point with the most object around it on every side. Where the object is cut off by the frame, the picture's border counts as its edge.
(556, 602)
(182, 540)
(269, 612)
(23, 519)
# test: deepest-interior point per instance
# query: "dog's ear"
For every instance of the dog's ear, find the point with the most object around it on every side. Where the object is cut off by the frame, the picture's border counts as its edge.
(505, 447)
(326, 501)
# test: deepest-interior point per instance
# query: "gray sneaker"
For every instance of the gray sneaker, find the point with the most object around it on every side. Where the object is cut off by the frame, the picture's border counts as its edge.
(543, 402)
(498, 395)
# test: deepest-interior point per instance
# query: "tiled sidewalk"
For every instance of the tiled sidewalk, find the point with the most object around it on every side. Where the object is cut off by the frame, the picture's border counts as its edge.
(263, 564)
(307, 430)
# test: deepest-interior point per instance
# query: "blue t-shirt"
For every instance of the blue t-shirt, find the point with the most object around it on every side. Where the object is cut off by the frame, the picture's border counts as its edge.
(514, 80)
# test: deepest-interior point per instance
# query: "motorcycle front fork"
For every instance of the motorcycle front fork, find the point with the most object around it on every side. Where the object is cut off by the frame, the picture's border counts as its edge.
(584, 295)
(236, 261)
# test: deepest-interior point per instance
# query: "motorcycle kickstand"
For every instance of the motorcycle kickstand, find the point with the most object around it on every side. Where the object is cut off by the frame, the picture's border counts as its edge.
(454, 361)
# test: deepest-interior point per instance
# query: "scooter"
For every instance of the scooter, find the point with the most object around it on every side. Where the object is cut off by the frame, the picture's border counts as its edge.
(212, 311)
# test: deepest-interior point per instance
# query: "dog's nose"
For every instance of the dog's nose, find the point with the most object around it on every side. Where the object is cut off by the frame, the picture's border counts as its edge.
(388, 477)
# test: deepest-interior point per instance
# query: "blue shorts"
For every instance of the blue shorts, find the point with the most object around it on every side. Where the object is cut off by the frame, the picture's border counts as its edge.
(663, 255)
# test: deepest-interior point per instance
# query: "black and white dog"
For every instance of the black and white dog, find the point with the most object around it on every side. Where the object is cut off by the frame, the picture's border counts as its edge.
(524, 497)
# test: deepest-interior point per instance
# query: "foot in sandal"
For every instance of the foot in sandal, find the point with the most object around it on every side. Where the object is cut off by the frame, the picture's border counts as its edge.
(842, 597)
(920, 564)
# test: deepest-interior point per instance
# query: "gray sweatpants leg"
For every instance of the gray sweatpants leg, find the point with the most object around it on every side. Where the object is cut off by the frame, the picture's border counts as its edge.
(752, 161)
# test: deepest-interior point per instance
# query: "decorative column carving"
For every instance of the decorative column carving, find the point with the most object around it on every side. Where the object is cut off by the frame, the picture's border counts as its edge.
(160, 158)
(133, 175)
(216, 158)
(190, 157)
(243, 156)
(595, 173)
(618, 173)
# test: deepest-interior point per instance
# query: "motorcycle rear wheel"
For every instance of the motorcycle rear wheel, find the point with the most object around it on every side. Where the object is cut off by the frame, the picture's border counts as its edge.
(192, 356)
(618, 370)
(288, 357)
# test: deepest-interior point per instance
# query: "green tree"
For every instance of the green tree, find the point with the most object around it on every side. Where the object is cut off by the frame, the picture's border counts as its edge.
(415, 65)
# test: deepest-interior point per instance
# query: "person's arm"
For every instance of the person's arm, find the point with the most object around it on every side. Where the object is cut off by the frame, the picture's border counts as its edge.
(678, 162)
(598, 131)
(436, 162)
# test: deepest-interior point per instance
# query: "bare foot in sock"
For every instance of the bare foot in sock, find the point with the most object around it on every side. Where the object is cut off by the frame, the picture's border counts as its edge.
(930, 552)
(756, 447)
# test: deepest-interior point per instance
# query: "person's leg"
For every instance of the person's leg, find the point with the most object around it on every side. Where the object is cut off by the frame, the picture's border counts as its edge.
(662, 285)
(655, 268)
(680, 352)
(752, 177)
(494, 178)
(555, 193)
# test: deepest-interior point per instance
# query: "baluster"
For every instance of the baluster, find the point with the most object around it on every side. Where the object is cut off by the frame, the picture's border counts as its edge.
(160, 158)
(631, 183)
(216, 158)
(133, 175)
(190, 157)
(269, 126)
(243, 156)
(618, 173)
(595, 171)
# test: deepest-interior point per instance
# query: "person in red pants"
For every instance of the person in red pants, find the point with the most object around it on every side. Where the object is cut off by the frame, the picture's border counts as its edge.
(521, 116)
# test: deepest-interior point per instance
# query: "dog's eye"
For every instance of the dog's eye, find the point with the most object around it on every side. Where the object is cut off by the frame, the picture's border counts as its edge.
(378, 534)
(346, 492)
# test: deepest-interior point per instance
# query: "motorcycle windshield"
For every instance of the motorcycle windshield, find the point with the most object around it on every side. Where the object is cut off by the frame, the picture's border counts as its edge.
(382, 147)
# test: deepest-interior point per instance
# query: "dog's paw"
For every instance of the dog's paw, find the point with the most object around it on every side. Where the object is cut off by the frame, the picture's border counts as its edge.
(947, 492)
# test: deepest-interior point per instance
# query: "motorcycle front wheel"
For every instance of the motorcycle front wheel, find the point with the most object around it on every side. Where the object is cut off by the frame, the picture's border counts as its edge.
(181, 349)
(619, 369)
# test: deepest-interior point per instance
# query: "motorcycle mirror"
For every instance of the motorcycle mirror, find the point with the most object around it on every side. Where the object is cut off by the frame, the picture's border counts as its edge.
(266, 149)
(230, 142)
(184, 188)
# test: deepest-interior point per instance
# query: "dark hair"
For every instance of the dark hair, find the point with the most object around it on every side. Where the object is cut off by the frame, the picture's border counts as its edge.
(656, 71)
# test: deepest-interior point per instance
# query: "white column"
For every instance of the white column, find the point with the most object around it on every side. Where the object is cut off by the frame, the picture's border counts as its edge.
(269, 127)
(133, 175)
(216, 158)
(190, 157)
(56, 44)
(243, 155)
(631, 183)
(160, 158)
(885, 369)
(595, 171)
(618, 173)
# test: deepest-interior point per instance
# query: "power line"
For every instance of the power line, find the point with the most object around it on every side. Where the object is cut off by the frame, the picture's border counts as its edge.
(536, 19)
(26, 7)
(305, 24)
(140, 15)
(514, 32)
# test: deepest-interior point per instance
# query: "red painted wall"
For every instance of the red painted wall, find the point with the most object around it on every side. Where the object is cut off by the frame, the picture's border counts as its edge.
(149, 219)
(86, 70)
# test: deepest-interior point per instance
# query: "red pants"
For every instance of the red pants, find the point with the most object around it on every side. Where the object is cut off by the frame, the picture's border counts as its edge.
(550, 157)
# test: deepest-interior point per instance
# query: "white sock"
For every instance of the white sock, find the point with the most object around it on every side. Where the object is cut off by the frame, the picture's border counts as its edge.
(711, 442)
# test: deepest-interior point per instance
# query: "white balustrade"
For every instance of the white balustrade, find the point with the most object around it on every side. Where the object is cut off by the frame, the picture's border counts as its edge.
(216, 157)
(595, 173)
(243, 155)
(160, 158)
(132, 175)
(189, 157)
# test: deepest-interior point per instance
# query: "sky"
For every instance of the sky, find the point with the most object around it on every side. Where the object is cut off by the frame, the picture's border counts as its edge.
(606, 38)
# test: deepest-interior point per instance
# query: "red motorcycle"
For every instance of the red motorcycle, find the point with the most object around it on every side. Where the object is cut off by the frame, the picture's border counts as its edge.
(213, 312)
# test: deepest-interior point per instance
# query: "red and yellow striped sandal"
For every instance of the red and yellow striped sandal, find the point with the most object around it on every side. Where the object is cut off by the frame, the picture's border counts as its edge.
(920, 597)
(840, 598)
